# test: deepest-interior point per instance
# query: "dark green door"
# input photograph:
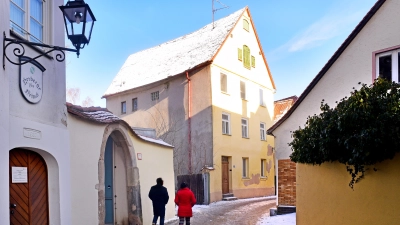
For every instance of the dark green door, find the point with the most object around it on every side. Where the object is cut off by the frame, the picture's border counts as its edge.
(108, 182)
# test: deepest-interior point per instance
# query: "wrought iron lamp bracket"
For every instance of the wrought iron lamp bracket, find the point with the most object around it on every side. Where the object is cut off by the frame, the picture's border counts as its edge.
(19, 50)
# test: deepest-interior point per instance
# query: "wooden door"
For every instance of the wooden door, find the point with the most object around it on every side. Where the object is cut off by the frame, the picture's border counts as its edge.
(225, 175)
(28, 190)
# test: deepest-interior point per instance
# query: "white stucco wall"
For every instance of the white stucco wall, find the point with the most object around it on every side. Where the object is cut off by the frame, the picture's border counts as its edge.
(46, 117)
(86, 139)
(353, 66)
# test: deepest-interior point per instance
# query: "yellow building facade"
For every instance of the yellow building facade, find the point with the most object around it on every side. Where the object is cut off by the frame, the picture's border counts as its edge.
(242, 110)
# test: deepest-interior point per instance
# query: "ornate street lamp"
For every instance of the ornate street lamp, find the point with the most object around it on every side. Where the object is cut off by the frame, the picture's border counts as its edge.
(79, 21)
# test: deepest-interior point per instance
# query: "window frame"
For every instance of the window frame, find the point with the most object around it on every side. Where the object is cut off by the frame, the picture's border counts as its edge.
(243, 92)
(262, 97)
(263, 168)
(383, 52)
(134, 109)
(123, 107)
(245, 167)
(245, 127)
(155, 96)
(25, 32)
(226, 82)
(263, 132)
(227, 123)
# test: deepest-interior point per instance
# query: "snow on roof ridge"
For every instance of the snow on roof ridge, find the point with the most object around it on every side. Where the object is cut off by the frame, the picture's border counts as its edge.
(173, 57)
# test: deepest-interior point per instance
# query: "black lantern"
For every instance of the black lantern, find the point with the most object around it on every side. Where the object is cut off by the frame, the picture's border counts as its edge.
(79, 21)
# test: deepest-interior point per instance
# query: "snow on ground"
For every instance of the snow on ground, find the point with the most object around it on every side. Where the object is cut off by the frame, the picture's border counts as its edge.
(287, 219)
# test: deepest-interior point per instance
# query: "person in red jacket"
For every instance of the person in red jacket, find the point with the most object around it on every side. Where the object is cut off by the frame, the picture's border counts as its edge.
(185, 200)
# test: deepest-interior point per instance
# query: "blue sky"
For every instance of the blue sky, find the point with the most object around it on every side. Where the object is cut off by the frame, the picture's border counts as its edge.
(298, 36)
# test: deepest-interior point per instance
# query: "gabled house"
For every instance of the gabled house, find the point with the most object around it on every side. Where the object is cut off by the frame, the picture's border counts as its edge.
(322, 194)
(210, 94)
(113, 168)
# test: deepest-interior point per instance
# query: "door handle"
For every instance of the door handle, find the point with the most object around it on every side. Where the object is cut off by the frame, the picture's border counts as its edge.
(13, 206)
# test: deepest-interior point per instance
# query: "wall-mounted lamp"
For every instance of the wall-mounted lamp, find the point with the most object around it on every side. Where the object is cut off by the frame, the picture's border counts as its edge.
(78, 20)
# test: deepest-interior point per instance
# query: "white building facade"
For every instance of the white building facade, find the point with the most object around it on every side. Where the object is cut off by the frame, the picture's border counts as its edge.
(34, 140)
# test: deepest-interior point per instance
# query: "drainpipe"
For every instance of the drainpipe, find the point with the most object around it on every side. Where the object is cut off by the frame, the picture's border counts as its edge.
(189, 121)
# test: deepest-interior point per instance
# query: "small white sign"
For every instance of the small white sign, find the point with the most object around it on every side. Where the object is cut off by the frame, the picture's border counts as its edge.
(19, 174)
(139, 156)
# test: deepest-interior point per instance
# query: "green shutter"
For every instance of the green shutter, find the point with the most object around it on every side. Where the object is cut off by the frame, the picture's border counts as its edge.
(246, 56)
(245, 24)
(240, 54)
(253, 61)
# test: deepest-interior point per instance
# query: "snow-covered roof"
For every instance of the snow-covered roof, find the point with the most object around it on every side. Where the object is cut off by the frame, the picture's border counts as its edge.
(102, 115)
(173, 57)
(157, 141)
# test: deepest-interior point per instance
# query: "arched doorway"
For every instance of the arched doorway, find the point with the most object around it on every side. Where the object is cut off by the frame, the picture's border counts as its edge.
(119, 192)
(28, 188)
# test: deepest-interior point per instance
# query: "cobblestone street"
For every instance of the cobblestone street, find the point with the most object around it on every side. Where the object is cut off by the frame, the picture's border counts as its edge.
(239, 212)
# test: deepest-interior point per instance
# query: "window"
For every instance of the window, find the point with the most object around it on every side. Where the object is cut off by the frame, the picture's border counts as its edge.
(155, 96)
(240, 54)
(388, 65)
(26, 19)
(123, 107)
(253, 61)
(245, 164)
(245, 24)
(134, 105)
(263, 167)
(242, 89)
(225, 123)
(262, 131)
(246, 56)
(224, 83)
(262, 101)
(245, 128)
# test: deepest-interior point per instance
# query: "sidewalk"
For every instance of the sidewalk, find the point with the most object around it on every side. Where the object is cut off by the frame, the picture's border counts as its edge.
(287, 219)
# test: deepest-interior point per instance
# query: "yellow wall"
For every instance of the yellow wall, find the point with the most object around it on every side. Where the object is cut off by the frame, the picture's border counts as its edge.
(157, 161)
(233, 145)
(324, 197)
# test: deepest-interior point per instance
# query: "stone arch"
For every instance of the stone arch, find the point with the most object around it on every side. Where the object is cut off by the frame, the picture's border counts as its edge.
(53, 183)
(122, 138)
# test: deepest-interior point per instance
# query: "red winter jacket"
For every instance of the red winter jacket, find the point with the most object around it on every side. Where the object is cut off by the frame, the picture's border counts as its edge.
(185, 200)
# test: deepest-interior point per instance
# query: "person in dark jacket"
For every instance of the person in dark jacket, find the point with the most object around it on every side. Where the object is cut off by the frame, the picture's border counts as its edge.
(185, 200)
(159, 196)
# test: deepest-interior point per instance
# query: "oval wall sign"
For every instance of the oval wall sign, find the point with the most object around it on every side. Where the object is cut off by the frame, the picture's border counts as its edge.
(31, 80)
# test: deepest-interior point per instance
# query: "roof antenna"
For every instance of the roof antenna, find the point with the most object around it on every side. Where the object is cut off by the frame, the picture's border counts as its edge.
(214, 10)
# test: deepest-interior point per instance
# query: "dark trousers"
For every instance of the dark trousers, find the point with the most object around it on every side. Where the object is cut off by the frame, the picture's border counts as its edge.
(155, 218)
(182, 219)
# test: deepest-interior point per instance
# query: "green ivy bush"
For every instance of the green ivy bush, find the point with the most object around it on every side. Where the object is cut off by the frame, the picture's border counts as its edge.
(362, 130)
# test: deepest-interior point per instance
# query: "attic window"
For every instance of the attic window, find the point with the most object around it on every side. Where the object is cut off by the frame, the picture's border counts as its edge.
(245, 24)
(155, 96)
(253, 61)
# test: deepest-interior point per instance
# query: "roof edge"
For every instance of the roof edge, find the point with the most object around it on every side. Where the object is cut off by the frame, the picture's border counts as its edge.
(330, 62)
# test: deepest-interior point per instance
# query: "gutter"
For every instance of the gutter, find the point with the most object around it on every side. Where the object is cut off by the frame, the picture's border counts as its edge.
(189, 121)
